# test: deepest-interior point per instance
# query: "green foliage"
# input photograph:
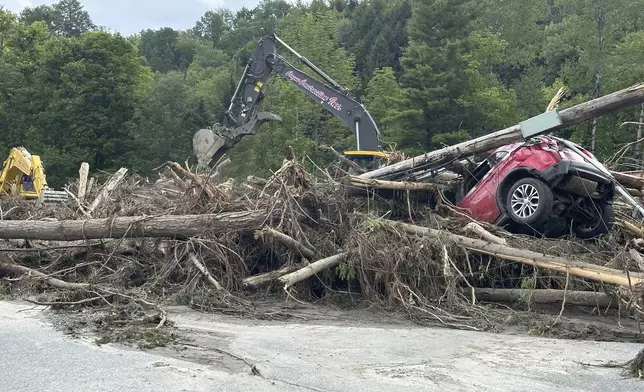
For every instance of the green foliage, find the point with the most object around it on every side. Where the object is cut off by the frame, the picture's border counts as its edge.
(449, 69)
(66, 18)
(346, 271)
(392, 108)
(375, 32)
(430, 72)
(165, 121)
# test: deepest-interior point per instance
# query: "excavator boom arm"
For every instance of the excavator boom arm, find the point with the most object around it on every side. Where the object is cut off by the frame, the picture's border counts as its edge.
(339, 104)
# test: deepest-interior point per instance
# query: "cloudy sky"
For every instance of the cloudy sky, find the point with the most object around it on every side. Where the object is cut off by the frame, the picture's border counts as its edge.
(131, 16)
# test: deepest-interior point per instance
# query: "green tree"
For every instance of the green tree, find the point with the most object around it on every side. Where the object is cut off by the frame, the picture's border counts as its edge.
(449, 70)
(94, 84)
(165, 122)
(214, 25)
(579, 46)
(391, 107)
(41, 13)
(71, 19)
(66, 17)
(21, 94)
(376, 33)
(159, 48)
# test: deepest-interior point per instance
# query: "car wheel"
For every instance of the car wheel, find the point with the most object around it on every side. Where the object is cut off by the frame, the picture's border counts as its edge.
(600, 226)
(529, 201)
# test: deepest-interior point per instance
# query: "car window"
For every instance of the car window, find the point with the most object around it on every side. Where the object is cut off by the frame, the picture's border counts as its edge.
(496, 158)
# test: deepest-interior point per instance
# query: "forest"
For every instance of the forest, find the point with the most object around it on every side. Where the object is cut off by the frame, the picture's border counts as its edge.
(431, 73)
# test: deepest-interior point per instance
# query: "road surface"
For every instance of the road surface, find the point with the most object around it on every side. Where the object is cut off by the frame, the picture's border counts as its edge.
(303, 357)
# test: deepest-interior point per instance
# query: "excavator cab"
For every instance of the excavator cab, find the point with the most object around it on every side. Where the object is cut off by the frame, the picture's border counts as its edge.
(23, 175)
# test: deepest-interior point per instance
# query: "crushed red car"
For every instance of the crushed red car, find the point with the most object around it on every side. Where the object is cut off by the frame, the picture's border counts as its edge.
(544, 186)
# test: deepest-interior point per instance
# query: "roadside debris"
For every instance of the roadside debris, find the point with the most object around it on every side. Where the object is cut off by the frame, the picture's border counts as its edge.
(189, 238)
(131, 246)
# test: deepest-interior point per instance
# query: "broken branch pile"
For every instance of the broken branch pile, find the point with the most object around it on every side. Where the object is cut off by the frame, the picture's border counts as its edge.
(190, 239)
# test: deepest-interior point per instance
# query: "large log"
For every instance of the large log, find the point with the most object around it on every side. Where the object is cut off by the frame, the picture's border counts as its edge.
(629, 181)
(574, 115)
(391, 185)
(132, 226)
(545, 296)
(575, 268)
(477, 229)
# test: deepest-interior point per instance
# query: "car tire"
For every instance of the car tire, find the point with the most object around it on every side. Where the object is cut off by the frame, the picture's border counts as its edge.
(600, 227)
(529, 202)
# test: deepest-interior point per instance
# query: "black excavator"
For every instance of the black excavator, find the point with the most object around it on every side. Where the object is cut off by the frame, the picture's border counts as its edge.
(243, 116)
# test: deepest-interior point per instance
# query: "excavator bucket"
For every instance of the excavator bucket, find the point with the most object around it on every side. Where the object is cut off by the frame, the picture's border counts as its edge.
(206, 146)
(209, 146)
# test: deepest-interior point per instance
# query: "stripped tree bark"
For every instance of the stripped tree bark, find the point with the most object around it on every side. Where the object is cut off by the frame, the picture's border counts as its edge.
(206, 185)
(90, 186)
(193, 258)
(82, 181)
(477, 229)
(311, 269)
(262, 279)
(290, 242)
(111, 184)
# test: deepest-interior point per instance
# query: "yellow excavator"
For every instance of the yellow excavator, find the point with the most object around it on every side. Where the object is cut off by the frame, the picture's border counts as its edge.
(23, 176)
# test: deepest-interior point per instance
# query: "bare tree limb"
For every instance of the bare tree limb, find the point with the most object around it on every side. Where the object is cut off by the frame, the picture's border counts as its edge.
(193, 258)
(312, 269)
(289, 241)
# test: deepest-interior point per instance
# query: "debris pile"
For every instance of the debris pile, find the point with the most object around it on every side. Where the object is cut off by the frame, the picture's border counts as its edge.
(133, 246)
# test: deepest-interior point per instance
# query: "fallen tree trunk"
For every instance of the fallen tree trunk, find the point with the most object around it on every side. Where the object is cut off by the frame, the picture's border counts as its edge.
(477, 229)
(262, 279)
(392, 185)
(132, 226)
(546, 296)
(575, 268)
(574, 115)
(632, 228)
(629, 181)
(311, 269)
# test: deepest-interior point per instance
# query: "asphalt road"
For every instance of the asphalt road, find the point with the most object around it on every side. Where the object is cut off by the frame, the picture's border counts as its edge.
(304, 357)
